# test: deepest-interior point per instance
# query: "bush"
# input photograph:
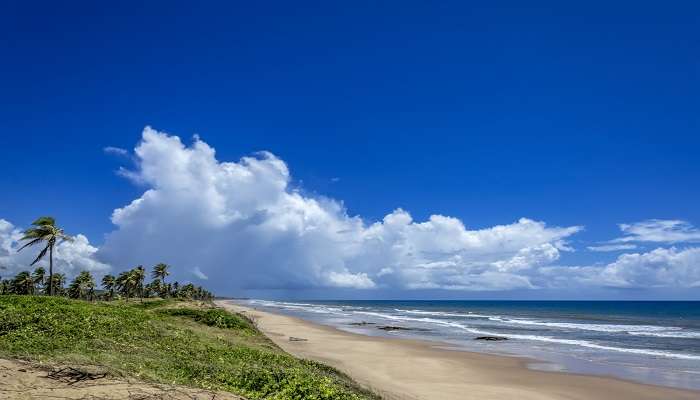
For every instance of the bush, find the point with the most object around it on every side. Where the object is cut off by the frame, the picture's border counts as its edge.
(215, 317)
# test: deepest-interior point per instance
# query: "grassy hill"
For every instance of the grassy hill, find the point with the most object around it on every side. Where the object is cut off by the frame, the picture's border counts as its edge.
(163, 341)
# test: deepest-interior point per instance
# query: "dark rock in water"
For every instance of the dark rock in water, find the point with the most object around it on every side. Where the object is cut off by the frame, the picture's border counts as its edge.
(363, 323)
(393, 328)
(491, 338)
(400, 328)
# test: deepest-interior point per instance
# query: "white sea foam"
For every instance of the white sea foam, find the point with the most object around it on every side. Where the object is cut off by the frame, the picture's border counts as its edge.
(443, 314)
(674, 334)
(538, 338)
(313, 308)
(637, 330)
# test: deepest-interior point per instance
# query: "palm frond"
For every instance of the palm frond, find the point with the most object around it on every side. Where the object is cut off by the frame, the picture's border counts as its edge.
(51, 221)
(64, 237)
(31, 243)
(41, 255)
(33, 234)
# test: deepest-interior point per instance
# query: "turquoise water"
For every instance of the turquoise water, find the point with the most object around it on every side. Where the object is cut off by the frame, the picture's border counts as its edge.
(651, 342)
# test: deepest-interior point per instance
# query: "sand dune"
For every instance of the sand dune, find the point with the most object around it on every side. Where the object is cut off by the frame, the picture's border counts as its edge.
(28, 381)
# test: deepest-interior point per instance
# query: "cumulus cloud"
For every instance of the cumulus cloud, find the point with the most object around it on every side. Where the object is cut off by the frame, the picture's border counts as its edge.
(244, 226)
(661, 267)
(658, 231)
(657, 268)
(69, 257)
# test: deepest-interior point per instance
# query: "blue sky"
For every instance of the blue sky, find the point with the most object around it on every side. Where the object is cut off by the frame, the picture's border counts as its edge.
(572, 115)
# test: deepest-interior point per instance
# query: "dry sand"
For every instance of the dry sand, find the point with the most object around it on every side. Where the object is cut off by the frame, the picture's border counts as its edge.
(412, 369)
(25, 381)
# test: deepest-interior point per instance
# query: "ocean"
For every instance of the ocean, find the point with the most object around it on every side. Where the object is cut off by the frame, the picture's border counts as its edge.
(656, 342)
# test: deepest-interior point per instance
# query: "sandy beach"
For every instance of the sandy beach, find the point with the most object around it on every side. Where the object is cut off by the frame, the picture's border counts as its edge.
(412, 369)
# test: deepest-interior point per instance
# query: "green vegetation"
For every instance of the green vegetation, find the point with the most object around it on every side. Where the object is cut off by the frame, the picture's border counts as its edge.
(213, 317)
(127, 285)
(166, 341)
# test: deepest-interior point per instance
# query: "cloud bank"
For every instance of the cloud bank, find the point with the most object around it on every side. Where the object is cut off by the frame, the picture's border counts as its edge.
(658, 268)
(243, 225)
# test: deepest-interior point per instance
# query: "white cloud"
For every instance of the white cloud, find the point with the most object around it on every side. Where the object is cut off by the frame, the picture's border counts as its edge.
(657, 268)
(199, 274)
(69, 257)
(347, 279)
(658, 231)
(116, 151)
(662, 267)
(612, 247)
(244, 226)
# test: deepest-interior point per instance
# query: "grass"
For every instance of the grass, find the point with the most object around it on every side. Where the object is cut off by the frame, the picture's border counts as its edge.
(167, 342)
(215, 317)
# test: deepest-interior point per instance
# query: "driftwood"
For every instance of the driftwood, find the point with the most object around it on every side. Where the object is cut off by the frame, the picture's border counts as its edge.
(296, 339)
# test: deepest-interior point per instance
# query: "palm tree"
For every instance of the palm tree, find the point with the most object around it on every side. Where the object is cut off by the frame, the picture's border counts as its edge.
(82, 286)
(108, 283)
(166, 290)
(187, 291)
(40, 276)
(59, 280)
(152, 289)
(5, 286)
(23, 283)
(160, 271)
(44, 230)
(139, 275)
(124, 284)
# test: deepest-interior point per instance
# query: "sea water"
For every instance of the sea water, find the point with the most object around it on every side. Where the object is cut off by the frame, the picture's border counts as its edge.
(655, 342)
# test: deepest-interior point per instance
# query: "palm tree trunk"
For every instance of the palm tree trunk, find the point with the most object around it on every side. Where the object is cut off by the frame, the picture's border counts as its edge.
(50, 270)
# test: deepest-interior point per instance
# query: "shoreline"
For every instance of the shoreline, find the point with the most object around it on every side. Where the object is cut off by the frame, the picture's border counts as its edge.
(399, 368)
